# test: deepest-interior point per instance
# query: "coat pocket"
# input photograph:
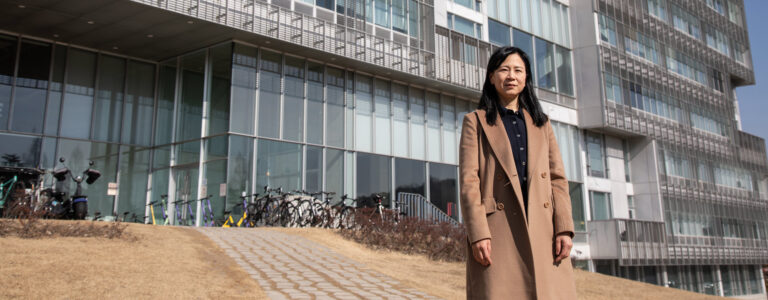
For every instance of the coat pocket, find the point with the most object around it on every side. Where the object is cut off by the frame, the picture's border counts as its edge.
(490, 205)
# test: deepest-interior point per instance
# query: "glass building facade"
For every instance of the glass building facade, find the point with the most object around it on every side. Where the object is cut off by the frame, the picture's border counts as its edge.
(363, 97)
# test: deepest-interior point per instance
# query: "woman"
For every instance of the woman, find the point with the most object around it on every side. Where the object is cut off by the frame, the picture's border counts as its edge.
(514, 194)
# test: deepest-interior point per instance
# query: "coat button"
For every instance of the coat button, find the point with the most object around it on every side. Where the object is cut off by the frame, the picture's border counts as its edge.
(546, 204)
(544, 175)
(500, 206)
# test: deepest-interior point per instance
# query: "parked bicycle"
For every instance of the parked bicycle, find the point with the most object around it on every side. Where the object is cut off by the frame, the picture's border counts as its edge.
(75, 206)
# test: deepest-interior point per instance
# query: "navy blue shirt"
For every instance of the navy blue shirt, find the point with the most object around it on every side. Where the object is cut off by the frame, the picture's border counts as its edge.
(514, 123)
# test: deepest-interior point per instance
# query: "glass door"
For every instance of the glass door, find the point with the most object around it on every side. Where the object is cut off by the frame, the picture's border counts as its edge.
(185, 200)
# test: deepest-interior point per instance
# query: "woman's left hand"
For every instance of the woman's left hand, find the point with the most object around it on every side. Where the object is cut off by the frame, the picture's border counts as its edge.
(563, 245)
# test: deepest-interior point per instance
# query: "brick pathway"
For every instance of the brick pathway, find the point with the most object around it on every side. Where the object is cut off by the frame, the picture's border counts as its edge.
(292, 267)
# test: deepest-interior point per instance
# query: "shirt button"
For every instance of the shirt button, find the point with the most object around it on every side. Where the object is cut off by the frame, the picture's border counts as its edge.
(525, 178)
(518, 135)
(523, 163)
(521, 148)
(514, 122)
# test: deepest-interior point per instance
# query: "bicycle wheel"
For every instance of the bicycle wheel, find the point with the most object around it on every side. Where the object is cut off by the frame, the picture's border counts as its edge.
(347, 218)
(319, 215)
(287, 213)
(305, 213)
(272, 212)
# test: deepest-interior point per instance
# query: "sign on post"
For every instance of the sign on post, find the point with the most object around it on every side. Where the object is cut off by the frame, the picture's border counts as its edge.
(112, 189)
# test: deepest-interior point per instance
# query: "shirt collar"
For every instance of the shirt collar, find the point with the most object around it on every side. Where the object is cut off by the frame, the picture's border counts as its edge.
(504, 111)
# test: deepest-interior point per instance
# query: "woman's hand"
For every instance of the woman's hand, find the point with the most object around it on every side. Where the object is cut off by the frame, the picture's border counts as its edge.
(481, 250)
(563, 245)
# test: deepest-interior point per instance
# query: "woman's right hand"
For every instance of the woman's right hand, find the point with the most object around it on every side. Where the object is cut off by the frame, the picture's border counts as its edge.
(481, 250)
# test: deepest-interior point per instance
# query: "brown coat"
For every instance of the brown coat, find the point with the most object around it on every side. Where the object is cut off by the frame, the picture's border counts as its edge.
(492, 205)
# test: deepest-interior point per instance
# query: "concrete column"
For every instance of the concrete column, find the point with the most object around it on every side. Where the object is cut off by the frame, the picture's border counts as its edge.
(719, 279)
(663, 275)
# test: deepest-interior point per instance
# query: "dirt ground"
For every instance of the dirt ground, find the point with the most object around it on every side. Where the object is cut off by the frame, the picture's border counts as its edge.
(161, 262)
(180, 263)
(446, 280)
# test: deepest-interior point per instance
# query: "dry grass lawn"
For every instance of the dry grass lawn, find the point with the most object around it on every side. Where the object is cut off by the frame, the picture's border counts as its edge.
(446, 280)
(160, 262)
(180, 263)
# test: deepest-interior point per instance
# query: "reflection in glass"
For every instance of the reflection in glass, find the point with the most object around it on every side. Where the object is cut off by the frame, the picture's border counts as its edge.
(443, 189)
(8, 47)
(221, 70)
(215, 177)
(564, 76)
(545, 65)
(382, 111)
(53, 108)
(243, 89)
(334, 173)
(191, 105)
(293, 110)
(134, 168)
(278, 164)
(601, 205)
(374, 175)
(240, 160)
(315, 103)
(108, 107)
(364, 108)
(449, 130)
(577, 206)
(418, 150)
(433, 127)
(19, 150)
(78, 98)
(104, 156)
(334, 125)
(269, 94)
(165, 97)
(314, 167)
(400, 122)
(410, 177)
(31, 85)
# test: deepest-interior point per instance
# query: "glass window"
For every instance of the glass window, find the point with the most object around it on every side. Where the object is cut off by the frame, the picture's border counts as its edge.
(734, 13)
(382, 12)
(364, 111)
(165, 98)
(525, 15)
(503, 11)
(410, 177)
(493, 11)
(523, 41)
(546, 19)
(545, 57)
(465, 3)
(240, 164)
(641, 46)
(607, 30)
(685, 22)
(269, 94)
(315, 97)
(140, 103)
(564, 73)
(567, 137)
(104, 156)
(627, 160)
(278, 164)
(449, 130)
(8, 47)
(382, 111)
(220, 60)
(613, 88)
(19, 150)
(463, 26)
(53, 108)
(293, 110)
(398, 16)
(314, 169)
(658, 8)
(134, 173)
(433, 127)
(685, 66)
(400, 120)
(78, 98)
(334, 125)
(601, 206)
(191, 105)
(326, 3)
(374, 175)
(334, 172)
(413, 18)
(536, 17)
(418, 149)
(596, 155)
(577, 206)
(244, 70)
(717, 40)
(443, 190)
(717, 5)
(498, 33)
(31, 85)
(109, 99)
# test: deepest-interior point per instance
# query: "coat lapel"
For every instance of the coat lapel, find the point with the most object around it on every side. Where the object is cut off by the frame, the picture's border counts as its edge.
(535, 146)
(499, 141)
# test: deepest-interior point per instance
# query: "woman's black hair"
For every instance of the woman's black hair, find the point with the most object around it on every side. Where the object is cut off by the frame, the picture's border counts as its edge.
(489, 100)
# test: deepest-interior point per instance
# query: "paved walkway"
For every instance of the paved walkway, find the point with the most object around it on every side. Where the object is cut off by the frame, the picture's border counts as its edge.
(292, 267)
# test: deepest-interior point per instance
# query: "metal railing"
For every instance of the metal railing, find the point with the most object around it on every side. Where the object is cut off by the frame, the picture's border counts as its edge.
(415, 205)
(632, 242)
(458, 66)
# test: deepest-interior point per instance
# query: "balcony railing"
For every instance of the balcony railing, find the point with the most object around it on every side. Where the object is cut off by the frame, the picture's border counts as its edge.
(631, 242)
(458, 58)
(415, 205)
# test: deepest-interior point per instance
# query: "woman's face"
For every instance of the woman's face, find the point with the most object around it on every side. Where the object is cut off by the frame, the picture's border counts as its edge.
(509, 77)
